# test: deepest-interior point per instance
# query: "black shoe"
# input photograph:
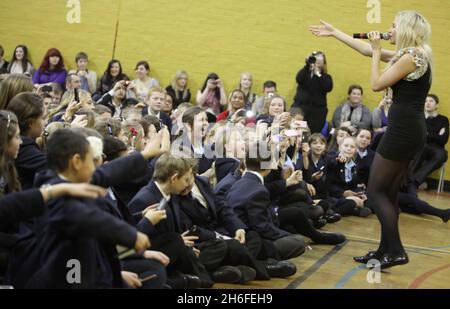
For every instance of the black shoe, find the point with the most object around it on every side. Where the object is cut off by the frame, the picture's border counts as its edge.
(331, 239)
(247, 274)
(281, 269)
(446, 216)
(371, 255)
(363, 212)
(319, 223)
(227, 274)
(183, 281)
(333, 217)
(206, 283)
(393, 260)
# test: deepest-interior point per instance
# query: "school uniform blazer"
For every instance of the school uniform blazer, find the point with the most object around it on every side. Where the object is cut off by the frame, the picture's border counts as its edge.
(250, 200)
(163, 116)
(182, 143)
(120, 172)
(336, 179)
(226, 183)
(14, 208)
(127, 190)
(121, 211)
(275, 184)
(217, 217)
(320, 185)
(224, 166)
(30, 160)
(20, 206)
(73, 229)
(150, 195)
(364, 164)
(112, 173)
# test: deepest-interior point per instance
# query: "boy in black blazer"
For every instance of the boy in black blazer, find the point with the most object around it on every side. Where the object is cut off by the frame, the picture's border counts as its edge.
(250, 199)
(172, 175)
(73, 229)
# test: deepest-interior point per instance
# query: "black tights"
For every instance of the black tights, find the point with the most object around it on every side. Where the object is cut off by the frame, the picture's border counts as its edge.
(383, 187)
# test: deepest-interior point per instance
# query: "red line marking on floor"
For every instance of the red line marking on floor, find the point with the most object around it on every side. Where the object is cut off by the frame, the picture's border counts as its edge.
(419, 280)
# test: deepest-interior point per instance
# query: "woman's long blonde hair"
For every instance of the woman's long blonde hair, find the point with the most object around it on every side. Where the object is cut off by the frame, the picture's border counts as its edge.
(12, 86)
(175, 87)
(413, 30)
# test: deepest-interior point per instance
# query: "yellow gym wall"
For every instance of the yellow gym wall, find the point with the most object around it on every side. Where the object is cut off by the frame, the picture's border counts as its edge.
(268, 38)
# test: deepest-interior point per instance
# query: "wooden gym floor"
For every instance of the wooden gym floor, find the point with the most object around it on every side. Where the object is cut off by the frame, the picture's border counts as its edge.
(426, 239)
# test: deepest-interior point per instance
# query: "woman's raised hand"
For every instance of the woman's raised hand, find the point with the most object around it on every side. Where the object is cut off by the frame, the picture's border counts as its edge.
(324, 29)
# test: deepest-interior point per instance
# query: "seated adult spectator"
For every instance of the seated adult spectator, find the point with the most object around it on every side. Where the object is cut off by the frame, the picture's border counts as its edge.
(269, 89)
(433, 154)
(380, 118)
(179, 89)
(143, 83)
(353, 113)
(88, 77)
(52, 69)
(73, 81)
(212, 97)
(112, 75)
(380, 113)
(245, 85)
(3, 63)
(20, 64)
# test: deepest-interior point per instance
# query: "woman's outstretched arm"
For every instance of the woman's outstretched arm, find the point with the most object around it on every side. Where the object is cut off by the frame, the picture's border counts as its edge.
(364, 48)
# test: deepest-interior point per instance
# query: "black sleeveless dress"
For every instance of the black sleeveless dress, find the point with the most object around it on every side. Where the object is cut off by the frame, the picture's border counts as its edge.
(406, 132)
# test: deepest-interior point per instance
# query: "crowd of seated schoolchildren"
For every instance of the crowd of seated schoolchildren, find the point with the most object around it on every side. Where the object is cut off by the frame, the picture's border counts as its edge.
(147, 187)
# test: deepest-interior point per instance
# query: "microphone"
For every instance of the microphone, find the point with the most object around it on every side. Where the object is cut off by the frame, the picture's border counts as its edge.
(383, 36)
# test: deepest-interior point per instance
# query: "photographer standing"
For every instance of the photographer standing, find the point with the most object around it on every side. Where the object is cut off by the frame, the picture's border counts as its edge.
(313, 85)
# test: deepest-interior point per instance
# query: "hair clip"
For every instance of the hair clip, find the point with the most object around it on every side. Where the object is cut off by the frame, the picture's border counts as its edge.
(133, 132)
(9, 121)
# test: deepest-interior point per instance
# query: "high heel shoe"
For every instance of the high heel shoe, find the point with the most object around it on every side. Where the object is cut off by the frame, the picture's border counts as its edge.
(393, 260)
(371, 255)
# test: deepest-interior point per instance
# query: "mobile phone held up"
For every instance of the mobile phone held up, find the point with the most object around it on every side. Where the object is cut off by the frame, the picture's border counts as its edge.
(192, 231)
(162, 205)
(292, 133)
(77, 95)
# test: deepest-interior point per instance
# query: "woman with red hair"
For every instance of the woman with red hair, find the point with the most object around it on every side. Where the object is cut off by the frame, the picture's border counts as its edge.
(51, 70)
